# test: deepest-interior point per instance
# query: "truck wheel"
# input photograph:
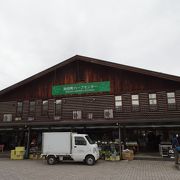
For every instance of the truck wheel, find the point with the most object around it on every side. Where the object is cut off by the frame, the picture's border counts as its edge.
(90, 160)
(51, 160)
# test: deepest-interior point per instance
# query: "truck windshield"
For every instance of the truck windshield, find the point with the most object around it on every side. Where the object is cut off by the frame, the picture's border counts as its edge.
(89, 140)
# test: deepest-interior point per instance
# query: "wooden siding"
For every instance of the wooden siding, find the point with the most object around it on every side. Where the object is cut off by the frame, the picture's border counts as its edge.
(96, 105)
(25, 110)
(7, 108)
(122, 81)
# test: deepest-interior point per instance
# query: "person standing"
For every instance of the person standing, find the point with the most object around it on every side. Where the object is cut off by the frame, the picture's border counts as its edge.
(175, 143)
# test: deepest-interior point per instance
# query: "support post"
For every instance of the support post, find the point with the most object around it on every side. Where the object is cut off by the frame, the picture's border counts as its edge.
(28, 144)
(120, 154)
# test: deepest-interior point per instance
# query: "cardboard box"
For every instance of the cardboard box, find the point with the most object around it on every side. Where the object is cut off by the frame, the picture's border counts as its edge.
(128, 155)
(34, 156)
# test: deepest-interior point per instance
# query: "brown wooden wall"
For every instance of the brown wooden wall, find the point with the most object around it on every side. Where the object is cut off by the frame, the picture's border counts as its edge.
(121, 82)
(92, 104)
(97, 105)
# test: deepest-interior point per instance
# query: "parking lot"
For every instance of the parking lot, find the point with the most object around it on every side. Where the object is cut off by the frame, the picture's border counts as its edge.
(126, 170)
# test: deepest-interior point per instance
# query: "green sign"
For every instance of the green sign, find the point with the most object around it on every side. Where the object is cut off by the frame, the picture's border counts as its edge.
(81, 88)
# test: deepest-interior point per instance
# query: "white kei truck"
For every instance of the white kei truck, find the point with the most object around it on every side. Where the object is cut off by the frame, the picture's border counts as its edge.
(61, 146)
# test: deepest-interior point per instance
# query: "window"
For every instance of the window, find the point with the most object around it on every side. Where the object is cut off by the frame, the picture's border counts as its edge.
(80, 141)
(118, 102)
(19, 107)
(58, 104)
(152, 102)
(171, 101)
(90, 115)
(90, 140)
(77, 114)
(171, 98)
(152, 99)
(135, 100)
(32, 106)
(45, 107)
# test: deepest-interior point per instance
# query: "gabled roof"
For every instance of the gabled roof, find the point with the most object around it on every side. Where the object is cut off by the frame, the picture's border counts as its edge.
(94, 61)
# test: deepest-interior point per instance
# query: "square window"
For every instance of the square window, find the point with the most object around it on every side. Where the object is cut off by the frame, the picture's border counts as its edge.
(152, 99)
(77, 114)
(19, 107)
(135, 100)
(45, 107)
(118, 102)
(171, 95)
(171, 98)
(118, 98)
(32, 106)
(58, 106)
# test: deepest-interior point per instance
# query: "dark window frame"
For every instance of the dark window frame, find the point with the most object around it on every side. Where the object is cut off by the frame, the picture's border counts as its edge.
(76, 112)
(153, 106)
(171, 97)
(135, 107)
(58, 107)
(32, 110)
(19, 108)
(45, 107)
(171, 106)
(116, 101)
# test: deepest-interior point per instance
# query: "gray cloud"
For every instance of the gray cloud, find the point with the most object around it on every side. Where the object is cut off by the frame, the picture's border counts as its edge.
(37, 34)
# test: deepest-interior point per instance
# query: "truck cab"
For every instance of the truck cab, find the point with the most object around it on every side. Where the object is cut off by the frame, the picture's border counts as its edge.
(83, 148)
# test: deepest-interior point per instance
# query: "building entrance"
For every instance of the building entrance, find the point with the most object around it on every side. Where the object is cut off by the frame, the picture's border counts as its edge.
(149, 140)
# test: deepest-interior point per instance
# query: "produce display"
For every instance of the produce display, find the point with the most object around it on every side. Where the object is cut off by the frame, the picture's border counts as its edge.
(109, 151)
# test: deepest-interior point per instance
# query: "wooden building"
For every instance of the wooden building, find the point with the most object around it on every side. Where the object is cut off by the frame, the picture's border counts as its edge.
(94, 96)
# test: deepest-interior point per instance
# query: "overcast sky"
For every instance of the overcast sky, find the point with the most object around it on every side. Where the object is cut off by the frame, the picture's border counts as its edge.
(37, 34)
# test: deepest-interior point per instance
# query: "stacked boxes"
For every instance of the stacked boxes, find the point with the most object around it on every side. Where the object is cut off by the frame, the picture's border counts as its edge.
(18, 153)
(128, 155)
(35, 156)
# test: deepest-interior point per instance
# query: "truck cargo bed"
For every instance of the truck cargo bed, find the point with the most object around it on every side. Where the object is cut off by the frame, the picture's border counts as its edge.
(56, 143)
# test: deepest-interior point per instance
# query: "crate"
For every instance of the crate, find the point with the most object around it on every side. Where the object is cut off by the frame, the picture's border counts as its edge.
(20, 148)
(34, 156)
(12, 154)
(17, 155)
(112, 158)
(20, 153)
(128, 155)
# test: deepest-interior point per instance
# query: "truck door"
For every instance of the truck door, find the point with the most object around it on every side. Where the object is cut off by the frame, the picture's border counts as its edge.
(79, 149)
